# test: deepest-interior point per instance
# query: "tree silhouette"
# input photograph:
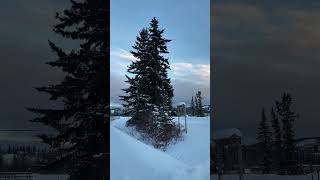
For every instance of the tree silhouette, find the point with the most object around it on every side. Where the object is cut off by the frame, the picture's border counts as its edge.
(81, 123)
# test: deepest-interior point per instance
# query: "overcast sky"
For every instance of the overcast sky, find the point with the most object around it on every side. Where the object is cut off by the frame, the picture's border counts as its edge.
(186, 23)
(25, 29)
(261, 49)
(27, 26)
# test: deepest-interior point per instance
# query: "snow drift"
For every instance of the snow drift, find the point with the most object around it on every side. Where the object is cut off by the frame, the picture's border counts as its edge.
(131, 159)
(138, 160)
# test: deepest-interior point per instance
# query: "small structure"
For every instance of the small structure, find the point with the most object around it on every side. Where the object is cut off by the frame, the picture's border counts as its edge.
(181, 111)
(308, 154)
(228, 152)
(207, 110)
(116, 109)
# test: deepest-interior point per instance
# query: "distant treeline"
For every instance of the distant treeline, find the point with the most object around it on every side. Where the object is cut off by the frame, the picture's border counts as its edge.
(25, 157)
(29, 149)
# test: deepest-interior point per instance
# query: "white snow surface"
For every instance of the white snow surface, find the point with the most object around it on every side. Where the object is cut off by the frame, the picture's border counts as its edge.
(195, 147)
(265, 177)
(50, 177)
(188, 159)
(115, 105)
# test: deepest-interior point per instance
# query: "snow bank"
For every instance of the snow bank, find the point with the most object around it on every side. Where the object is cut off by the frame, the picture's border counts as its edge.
(115, 105)
(137, 160)
(187, 160)
(120, 123)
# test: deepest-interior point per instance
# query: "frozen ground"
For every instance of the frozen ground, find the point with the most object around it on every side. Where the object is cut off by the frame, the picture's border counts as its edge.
(132, 159)
(266, 177)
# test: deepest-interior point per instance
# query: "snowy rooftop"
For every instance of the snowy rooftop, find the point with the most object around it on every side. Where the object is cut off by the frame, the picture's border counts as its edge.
(180, 103)
(226, 133)
(307, 142)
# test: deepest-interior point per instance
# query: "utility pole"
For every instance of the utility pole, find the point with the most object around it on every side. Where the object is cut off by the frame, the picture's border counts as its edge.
(185, 117)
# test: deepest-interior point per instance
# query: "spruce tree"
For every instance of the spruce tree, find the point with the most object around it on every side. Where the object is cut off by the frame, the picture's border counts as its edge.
(162, 93)
(287, 117)
(277, 140)
(137, 98)
(192, 106)
(148, 98)
(264, 140)
(80, 122)
(199, 106)
(196, 105)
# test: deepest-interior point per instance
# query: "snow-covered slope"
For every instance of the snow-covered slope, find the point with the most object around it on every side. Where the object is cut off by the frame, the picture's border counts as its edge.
(195, 148)
(131, 159)
(135, 160)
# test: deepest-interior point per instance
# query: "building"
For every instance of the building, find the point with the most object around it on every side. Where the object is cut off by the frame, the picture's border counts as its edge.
(227, 152)
(307, 154)
(116, 109)
(308, 150)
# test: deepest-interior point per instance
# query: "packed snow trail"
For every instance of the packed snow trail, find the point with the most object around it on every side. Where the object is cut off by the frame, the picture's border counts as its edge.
(134, 160)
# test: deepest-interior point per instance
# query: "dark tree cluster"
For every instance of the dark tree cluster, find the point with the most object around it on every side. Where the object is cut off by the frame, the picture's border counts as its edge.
(278, 146)
(148, 98)
(196, 105)
(22, 157)
(265, 141)
(25, 149)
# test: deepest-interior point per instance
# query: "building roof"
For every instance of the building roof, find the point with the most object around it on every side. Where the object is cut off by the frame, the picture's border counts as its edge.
(227, 133)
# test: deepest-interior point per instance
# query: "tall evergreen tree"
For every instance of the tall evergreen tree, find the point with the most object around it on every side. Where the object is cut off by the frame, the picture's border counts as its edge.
(81, 121)
(200, 112)
(287, 117)
(149, 95)
(264, 140)
(192, 106)
(157, 46)
(137, 98)
(277, 140)
(196, 105)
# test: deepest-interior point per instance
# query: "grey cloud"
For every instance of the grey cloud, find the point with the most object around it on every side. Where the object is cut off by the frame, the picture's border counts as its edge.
(258, 59)
(24, 50)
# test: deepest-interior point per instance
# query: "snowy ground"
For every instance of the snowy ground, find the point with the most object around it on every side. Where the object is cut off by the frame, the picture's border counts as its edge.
(266, 177)
(44, 177)
(50, 177)
(132, 159)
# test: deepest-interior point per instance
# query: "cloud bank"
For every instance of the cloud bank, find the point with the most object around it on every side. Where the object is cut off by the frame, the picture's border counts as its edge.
(187, 78)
